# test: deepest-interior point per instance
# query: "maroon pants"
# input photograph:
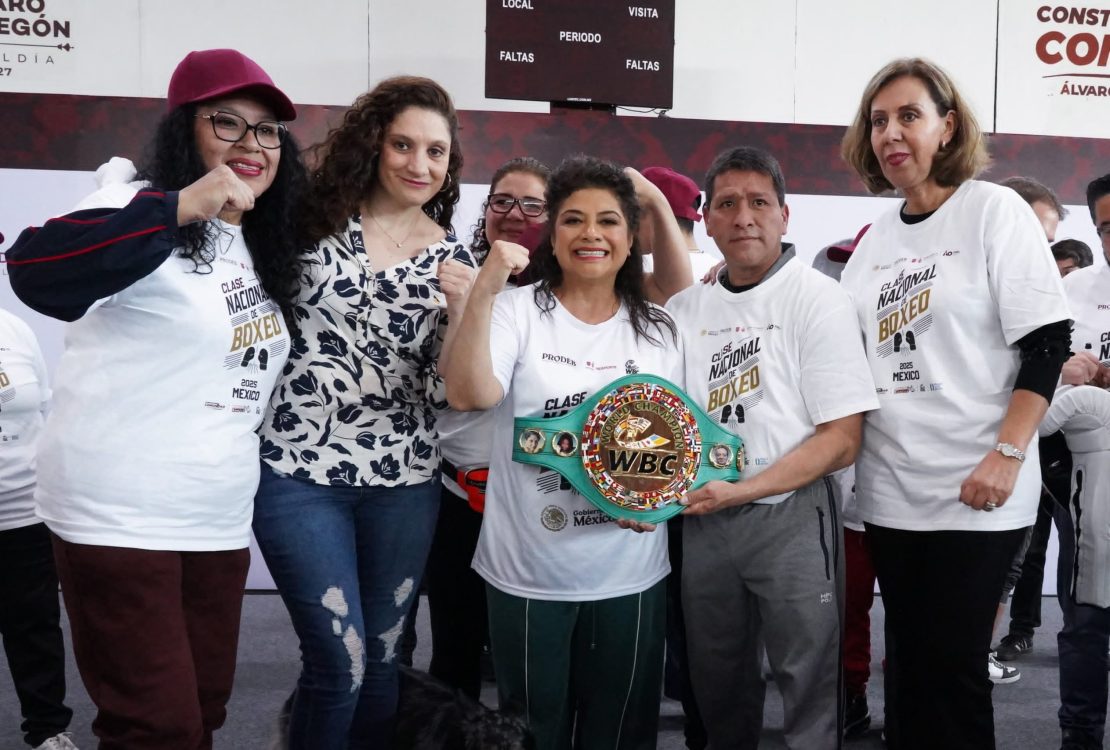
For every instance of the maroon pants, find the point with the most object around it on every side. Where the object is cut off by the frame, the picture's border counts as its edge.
(859, 596)
(155, 636)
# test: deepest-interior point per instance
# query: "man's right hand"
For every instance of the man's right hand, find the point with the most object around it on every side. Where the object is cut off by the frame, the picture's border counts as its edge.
(219, 190)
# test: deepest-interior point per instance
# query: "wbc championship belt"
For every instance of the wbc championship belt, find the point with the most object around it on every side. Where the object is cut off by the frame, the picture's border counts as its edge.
(633, 449)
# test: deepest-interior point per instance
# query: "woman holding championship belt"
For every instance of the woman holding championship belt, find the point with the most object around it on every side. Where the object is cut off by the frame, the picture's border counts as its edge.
(576, 604)
(965, 328)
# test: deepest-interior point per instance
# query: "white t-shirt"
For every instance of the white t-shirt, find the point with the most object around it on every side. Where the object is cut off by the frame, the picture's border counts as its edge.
(773, 362)
(464, 441)
(151, 442)
(24, 398)
(941, 304)
(540, 539)
(1086, 290)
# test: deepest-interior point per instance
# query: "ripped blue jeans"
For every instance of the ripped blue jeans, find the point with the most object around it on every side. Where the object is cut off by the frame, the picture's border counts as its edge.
(346, 561)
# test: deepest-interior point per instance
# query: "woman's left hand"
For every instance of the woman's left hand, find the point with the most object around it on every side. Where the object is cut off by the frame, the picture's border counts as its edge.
(992, 481)
(637, 526)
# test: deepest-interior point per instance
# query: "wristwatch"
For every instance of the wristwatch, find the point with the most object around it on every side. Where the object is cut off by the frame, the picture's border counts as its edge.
(1009, 450)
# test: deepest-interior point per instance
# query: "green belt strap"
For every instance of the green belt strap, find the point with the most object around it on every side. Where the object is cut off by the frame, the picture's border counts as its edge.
(633, 449)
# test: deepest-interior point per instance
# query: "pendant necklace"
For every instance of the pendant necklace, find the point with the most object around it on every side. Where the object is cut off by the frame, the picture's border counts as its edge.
(390, 236)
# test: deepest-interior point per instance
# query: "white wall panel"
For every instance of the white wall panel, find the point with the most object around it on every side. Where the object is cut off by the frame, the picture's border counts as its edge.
(103, 59)
(445, 41)
(840, 45)
(315, 52)
(1054, 72)
(734, 60)
(31, 196)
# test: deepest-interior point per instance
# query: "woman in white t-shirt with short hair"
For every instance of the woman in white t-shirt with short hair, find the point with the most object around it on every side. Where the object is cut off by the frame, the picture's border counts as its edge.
(576, 604)
(965, 327)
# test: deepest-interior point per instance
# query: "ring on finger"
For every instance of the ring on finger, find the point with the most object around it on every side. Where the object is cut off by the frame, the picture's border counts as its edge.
(989, 506)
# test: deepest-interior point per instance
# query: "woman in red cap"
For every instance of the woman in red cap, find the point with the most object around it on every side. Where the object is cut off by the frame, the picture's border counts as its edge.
(177, 287)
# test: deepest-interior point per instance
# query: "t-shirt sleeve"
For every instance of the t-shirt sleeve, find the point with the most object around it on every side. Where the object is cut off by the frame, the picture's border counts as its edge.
(1021, 272)
(65, 267)
(835, 379)
(506, 336)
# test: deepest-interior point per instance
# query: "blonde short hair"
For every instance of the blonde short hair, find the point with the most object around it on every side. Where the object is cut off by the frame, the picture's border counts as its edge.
(962, 159)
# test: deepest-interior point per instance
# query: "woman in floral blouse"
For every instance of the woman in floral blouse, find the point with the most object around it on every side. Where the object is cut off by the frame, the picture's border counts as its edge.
(349, 493)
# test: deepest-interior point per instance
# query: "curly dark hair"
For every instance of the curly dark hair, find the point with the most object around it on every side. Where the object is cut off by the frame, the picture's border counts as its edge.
(479, 243)
(271, 231)
(347, 160)
(580, 173)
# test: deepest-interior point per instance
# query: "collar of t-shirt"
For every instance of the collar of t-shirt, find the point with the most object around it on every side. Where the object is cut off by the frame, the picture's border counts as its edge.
(913, 218)
(787, 254)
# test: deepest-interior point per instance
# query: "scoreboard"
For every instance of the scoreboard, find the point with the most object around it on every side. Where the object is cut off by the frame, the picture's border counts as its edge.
(598, 51)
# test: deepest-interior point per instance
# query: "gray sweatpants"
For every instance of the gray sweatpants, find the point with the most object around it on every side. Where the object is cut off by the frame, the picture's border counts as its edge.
(767, 574)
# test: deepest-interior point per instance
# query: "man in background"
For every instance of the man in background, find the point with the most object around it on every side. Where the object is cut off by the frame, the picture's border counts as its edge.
(684, 197)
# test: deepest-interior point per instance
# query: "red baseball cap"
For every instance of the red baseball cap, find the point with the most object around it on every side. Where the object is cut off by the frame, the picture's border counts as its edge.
(680, 191)
(840, 252)
(210, 73)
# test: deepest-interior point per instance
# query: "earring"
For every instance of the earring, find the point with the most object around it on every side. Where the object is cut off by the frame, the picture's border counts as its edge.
(446, 183)
(943, 145)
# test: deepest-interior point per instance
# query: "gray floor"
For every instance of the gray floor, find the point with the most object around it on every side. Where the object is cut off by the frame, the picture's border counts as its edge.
(1025, 711)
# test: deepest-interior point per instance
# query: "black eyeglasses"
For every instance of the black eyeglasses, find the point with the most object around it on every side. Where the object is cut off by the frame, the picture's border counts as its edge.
(232, 128)
(501, 203)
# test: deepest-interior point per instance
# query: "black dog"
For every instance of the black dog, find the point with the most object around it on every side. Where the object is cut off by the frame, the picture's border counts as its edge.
(434, 716)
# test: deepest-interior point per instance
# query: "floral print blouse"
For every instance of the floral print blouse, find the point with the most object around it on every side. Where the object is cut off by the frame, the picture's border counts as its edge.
(356, 404)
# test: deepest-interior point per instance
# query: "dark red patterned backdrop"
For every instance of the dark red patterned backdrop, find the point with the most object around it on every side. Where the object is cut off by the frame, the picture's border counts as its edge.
(47, 131)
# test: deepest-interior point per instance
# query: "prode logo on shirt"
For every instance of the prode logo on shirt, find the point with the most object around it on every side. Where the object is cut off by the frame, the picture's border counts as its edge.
(558, 358)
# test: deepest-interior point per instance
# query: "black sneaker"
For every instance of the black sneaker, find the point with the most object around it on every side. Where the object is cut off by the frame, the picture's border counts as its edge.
(1074, 739)
(857, 717)
(1013, 646)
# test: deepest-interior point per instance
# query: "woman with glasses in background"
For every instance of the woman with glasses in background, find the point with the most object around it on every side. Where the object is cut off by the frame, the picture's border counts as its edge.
(514, 210)
(177, 287)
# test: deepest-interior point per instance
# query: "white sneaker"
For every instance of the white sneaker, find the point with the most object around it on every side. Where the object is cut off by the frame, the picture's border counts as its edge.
(1001, 674)
(58, 742)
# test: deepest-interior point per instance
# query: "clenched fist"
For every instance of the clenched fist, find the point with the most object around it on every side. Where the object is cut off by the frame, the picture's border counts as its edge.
(217, 192)
(504, 259)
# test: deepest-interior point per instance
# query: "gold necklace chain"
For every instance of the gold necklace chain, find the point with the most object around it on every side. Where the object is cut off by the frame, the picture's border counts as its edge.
(390, 236)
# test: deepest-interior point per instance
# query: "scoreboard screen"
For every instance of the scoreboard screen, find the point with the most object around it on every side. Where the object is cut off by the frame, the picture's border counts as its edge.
(599, 51)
